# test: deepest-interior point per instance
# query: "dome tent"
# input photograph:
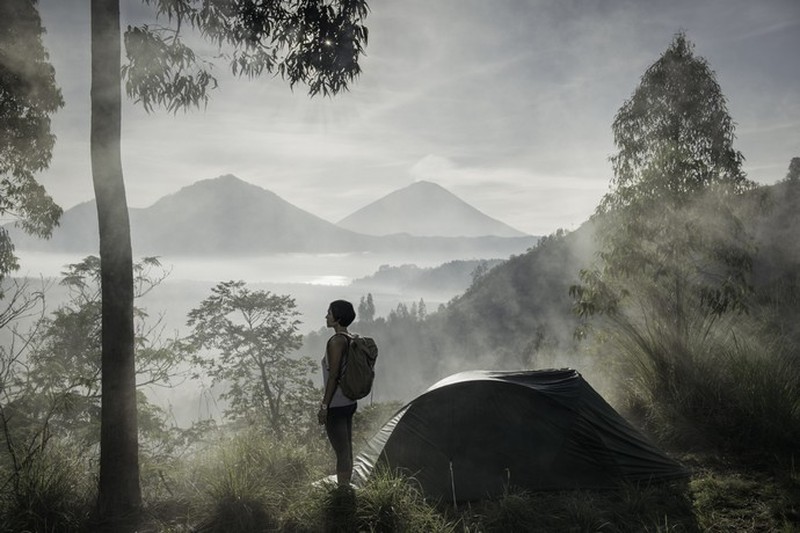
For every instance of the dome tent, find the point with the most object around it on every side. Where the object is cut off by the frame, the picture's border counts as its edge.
(473, 434)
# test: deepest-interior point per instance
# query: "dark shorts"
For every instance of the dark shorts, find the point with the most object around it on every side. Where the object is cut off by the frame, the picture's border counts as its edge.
(343, 411)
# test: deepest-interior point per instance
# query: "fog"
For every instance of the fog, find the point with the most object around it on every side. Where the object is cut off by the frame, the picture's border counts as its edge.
(312, 280)
(521, 132)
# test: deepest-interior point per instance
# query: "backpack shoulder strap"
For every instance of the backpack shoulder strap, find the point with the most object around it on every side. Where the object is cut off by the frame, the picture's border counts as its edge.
(343, 361)
(346, 336)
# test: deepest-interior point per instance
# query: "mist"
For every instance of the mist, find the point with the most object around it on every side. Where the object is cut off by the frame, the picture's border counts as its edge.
(421, 194)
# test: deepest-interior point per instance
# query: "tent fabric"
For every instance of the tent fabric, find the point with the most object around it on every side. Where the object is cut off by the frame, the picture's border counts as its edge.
(473, 434)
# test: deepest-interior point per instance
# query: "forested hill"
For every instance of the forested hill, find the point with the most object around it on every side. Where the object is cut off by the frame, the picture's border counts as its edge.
(521, 307)
(516, 315)
(452, 277)
(519, 313)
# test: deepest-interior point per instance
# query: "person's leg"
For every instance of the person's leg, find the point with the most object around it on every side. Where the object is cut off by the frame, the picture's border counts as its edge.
(347, 473)
(339, 429)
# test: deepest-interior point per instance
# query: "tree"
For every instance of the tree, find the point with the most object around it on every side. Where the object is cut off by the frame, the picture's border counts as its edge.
(20, 303)
(674, 135)
(65, 359)
(119, 494)
(479, 272)
(793, 175)
(674, 256)
(668, 218)
(400, 313)
(674, 268)
(315, 42)
(50, 372)
(28, 96)
(366, 309)
(62, 352)
(248, 337)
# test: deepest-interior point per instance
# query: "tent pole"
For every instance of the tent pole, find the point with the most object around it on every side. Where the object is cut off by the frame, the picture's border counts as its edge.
(453, 487)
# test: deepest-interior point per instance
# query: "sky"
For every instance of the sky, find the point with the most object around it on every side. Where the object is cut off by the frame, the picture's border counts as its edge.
(508, 104)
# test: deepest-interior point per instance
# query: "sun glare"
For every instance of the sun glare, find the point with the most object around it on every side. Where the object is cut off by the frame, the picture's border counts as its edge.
(333, 281)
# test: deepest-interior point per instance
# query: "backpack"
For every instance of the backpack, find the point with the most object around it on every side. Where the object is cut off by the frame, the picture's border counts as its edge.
(358, 366)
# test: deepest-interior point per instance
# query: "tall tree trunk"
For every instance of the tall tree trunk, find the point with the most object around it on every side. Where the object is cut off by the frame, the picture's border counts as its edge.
(119, 498)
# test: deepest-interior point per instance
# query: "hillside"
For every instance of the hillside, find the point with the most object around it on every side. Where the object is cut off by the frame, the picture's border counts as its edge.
(425, 209)
(452, 277)
(519, 314)
(520, 311)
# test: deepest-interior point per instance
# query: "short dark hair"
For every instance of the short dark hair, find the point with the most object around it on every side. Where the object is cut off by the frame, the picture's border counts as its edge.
(343, 312)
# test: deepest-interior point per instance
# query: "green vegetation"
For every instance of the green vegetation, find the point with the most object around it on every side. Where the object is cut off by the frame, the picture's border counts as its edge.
(29, 96)
(673, 280)
(242, 338)
(663, 294)
(249, 482)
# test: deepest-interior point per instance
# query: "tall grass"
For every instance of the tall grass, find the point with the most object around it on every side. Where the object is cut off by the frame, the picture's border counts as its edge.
(251, 483)
(51, 492)
(387, 503)
(733, 388)
(244, 483)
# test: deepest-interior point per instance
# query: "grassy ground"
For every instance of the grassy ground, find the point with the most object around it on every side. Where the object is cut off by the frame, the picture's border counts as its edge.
(732, 496)
(721, 496)
(250, 483)
(272, 493)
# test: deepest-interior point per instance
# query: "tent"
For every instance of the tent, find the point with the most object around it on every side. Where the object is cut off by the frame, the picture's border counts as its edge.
(473, 434)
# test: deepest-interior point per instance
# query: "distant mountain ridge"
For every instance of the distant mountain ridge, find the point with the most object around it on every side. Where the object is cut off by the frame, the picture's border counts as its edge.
(425, 209)
(453, 276)
(230, 217)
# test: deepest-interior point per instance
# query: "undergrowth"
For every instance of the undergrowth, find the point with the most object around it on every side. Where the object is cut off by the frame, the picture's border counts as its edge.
(48, 492)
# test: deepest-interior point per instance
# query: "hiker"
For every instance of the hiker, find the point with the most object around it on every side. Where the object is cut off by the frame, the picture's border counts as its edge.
(336, 410)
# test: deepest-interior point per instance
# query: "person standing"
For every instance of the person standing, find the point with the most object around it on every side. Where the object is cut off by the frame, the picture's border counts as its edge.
(336, 410)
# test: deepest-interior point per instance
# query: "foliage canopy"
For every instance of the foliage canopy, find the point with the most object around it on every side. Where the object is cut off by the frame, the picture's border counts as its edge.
(28, 96)
(314, 42)
(667, 228)
(674, 135)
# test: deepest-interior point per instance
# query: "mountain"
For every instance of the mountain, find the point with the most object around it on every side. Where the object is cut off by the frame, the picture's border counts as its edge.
(227, 216)
(425, 209)
(223, 215)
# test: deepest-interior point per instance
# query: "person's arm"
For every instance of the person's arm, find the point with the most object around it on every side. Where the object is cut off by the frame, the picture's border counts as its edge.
(334, 353)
